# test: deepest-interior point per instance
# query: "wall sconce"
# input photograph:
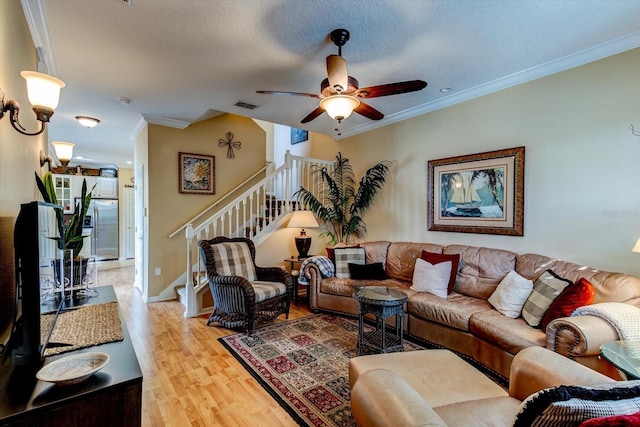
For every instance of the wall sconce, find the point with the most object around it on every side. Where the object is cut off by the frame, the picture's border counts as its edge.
(636, 247)
(64, 151)
(303, 219)
(43, 91)
(339, 107)
(44, 159)
(88, 122)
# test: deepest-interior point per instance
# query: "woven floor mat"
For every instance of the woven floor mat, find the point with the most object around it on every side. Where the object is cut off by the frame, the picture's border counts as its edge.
(83, 327)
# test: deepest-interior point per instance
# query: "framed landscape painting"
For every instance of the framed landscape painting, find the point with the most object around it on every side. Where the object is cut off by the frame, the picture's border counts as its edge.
(477, 193)
(298, 135)
(196, 173)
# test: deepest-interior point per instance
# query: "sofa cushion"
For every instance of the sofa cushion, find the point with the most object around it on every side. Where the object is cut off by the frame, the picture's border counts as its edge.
(492, 411)
(511, 294)
(376, 251)
(432, 278)
(545, 290)
(481, 269)
(346, 287)
(454, 311)
(573, 296)
(508, 334)
(571, 405)
(346, 255)
(401, 258)
(435, 258)
(609, 287)
(373, 271)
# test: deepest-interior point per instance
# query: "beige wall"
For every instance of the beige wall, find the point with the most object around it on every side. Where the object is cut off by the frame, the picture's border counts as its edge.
(168, 210)
(582, 198)
(19, 154)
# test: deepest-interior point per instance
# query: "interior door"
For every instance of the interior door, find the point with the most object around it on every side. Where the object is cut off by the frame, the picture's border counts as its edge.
(140, 279)
(129, 223)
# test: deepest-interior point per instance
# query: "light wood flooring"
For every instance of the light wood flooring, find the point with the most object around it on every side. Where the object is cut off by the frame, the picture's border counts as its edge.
(190, 379)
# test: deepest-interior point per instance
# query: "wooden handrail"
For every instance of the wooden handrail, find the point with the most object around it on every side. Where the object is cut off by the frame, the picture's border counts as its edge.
(217, 202)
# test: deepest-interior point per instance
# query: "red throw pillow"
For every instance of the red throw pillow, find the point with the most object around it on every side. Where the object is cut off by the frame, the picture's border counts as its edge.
(573, 296)
(435, 258)
(614, 421)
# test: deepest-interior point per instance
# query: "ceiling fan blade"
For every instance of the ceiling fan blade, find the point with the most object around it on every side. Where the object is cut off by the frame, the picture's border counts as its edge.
(368, 111)
(275, 92)
(312, 115)
(337, 73)
(391, 89)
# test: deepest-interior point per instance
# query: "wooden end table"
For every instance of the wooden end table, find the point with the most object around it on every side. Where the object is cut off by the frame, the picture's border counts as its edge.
(383, 303)
(294, 264)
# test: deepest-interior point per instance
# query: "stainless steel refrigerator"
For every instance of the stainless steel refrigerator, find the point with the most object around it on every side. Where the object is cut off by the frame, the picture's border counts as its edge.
(103, 217)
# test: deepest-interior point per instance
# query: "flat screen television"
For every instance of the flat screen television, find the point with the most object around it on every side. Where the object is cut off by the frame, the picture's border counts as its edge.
(34, 253)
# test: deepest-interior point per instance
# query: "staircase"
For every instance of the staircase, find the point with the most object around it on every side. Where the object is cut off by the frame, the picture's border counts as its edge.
(254, 214)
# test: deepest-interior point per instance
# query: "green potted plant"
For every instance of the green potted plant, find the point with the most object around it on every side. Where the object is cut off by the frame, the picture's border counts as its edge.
(340, 204)
(69, 235)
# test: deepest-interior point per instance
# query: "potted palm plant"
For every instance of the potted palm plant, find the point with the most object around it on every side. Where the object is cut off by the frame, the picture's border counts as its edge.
(69, 235)
(340, 204)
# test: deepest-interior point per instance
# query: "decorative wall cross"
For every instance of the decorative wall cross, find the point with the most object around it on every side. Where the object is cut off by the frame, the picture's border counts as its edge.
(230, 143)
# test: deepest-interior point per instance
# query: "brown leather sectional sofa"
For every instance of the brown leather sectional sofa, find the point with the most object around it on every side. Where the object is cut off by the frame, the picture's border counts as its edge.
(465, 322)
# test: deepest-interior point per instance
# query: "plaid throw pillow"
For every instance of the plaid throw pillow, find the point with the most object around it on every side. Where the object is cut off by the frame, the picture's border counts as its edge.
(344, 256)
(545, 290)
(234, 259)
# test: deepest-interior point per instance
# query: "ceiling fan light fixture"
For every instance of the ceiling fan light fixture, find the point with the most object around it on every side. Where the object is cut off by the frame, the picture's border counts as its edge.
(87, 121)
(339, 107)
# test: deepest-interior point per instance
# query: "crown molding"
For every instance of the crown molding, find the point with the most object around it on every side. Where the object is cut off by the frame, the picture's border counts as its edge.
(37, 22)
(577, 59)
(163, 121)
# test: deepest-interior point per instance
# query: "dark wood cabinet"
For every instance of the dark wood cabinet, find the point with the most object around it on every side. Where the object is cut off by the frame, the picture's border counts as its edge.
(111, 397)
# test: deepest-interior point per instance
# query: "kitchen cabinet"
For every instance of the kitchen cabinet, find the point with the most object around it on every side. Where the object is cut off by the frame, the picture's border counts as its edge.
(105, 188)
(63, 185)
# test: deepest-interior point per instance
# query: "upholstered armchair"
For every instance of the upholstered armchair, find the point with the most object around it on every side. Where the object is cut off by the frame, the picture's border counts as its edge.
(243, 293)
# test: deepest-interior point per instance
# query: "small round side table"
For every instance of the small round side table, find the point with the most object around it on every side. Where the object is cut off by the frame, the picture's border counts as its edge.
(383, 303)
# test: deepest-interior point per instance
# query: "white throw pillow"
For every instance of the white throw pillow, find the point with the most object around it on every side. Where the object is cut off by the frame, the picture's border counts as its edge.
(432, 278)
(511, 294)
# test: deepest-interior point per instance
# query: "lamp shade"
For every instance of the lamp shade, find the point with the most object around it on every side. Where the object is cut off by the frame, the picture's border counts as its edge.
(43, 90)
(339, 107)
(303, 219)
(636, 248)
(64, 151)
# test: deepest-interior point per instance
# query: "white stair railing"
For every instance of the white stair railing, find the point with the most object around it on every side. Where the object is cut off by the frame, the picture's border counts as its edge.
(253, 214)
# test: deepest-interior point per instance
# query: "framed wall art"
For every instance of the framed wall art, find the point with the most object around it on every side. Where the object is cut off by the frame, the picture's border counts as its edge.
(298, 135)
(477, 193)
(196, 173)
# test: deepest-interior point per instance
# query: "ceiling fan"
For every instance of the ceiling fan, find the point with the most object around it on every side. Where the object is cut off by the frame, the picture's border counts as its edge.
(340, 94)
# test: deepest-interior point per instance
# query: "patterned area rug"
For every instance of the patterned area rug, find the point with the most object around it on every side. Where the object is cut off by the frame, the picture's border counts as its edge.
(304, 364)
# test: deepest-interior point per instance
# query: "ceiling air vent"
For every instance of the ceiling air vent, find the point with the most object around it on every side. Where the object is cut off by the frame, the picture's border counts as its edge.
(245, 105)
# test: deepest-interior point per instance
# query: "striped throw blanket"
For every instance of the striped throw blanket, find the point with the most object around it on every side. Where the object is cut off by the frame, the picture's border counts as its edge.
(625, 318)
(324, 264)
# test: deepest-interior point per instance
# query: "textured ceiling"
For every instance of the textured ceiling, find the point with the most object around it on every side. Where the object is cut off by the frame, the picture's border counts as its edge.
(182, 61)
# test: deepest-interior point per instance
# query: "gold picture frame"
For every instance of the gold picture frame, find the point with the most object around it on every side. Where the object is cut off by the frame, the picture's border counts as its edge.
(477, 193)
(196, 173)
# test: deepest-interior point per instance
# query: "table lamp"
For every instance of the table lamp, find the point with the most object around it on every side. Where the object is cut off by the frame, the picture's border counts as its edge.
(636, 248)
(303, 219)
